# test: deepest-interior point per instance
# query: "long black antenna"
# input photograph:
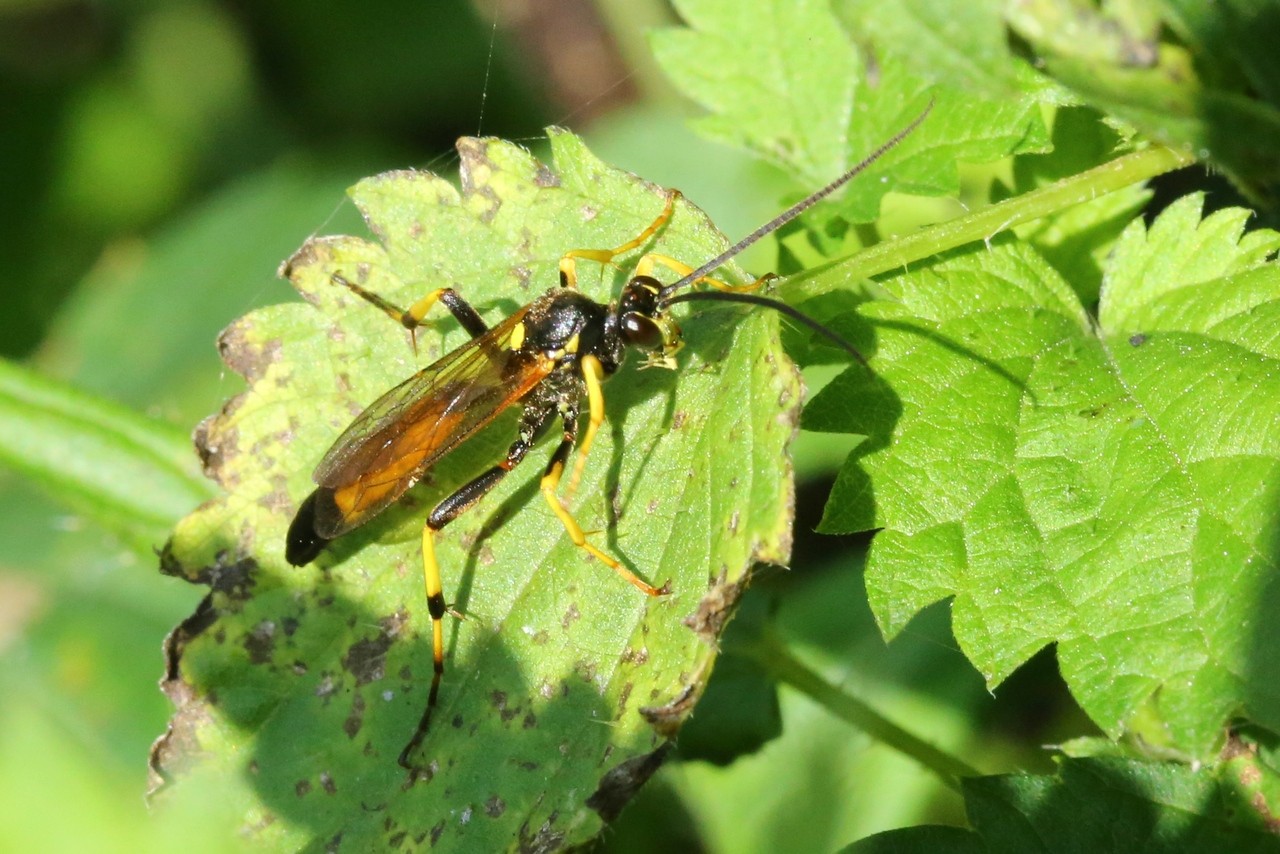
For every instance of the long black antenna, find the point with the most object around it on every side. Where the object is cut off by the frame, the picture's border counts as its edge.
(665, 295)
(781, 307)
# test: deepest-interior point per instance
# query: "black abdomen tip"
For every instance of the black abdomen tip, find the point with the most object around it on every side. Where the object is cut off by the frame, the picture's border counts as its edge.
(303, 544)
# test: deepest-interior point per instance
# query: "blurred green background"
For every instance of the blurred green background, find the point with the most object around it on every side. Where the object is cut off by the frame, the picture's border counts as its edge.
(160, 159)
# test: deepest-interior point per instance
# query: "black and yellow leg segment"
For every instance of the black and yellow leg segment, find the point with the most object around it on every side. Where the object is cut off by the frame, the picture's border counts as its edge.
(436, 608)
(444, 513)
(644, 267)
(568, 262)
(414, 316)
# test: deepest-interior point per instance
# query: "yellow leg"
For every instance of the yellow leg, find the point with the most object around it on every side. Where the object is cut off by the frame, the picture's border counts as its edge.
(593, 375)
(412, 317)
(568, 262)
(644, 267)
(409, 317)
(550, 481)
(416, 312)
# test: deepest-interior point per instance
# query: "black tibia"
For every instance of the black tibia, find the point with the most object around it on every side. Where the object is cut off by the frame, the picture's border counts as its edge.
(457, 503)
(462, 310)
(543, 403)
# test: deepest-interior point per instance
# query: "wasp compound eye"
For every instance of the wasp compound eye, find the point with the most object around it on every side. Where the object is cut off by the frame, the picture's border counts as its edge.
(643, 332)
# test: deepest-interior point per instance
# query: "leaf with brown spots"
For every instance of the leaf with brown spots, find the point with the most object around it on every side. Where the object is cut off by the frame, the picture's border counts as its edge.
(304, 684)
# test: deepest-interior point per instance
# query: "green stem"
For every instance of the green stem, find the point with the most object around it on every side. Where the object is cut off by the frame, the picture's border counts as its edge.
(986, 223)
(786, 668)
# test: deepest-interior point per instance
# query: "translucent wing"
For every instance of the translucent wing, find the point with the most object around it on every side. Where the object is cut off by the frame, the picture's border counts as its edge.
(397, 438)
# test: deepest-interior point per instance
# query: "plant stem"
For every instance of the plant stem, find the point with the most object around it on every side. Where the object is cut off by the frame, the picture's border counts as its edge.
(769, 652)
(986, 223)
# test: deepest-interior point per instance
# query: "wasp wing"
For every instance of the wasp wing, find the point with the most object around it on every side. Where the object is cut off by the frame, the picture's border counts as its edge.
(396, 439)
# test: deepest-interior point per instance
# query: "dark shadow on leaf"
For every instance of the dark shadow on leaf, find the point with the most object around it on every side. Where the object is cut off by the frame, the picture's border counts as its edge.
(1132, 806)
(1262, 675)
(1240, 101)
(964, 352)
(324, 694)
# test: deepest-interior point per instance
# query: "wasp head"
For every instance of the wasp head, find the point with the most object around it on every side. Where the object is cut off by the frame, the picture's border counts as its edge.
(642, 322)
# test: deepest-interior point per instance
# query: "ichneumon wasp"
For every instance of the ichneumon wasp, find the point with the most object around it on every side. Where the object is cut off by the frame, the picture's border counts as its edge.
(547, 357)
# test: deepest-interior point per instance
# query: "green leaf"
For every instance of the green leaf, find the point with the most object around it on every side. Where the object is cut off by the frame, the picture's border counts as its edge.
(787, 83)
(1233, 40)
(1213, 90)
(131, 473)
(307, 682)
(925, 839)
(1112, 491)
(1077, 239)
(958, 44)
(1101, 806)
(763, 94)
(1172, 266)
